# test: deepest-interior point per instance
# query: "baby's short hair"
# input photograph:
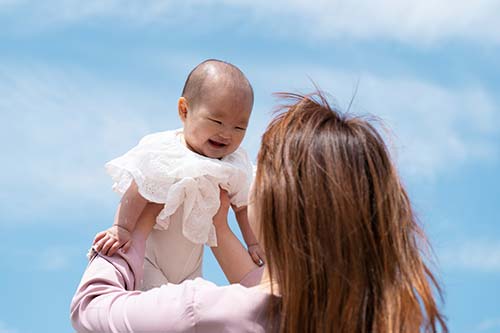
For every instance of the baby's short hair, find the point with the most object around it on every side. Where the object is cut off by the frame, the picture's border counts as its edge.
(195, 88)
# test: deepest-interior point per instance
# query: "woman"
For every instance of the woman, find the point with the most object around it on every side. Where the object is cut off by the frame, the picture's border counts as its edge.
(340, 237)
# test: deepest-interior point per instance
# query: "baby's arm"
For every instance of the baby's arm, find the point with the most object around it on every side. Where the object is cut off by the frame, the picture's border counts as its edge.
(248, 235)
(130, 208)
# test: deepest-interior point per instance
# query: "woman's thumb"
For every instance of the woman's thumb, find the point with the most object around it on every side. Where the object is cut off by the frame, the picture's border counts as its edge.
(127, 246)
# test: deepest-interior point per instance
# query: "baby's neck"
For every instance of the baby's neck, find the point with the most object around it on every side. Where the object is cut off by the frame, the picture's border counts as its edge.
(183, 141)
(186, 144)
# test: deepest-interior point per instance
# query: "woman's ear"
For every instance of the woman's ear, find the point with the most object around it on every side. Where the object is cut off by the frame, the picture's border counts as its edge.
(182, 107)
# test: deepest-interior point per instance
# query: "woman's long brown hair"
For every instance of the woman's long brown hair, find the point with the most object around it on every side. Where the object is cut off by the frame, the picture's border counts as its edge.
(341, 239)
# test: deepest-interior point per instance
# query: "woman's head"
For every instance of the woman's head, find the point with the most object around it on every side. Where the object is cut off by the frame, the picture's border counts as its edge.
(337, 226)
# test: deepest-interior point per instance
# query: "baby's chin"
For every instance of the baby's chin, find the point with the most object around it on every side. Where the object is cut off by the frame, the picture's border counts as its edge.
(218, 153)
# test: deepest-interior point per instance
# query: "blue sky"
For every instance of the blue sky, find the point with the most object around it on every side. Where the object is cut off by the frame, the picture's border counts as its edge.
(82, 81)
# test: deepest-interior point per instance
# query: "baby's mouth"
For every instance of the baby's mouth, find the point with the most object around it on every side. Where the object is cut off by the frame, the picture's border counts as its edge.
(216, 143)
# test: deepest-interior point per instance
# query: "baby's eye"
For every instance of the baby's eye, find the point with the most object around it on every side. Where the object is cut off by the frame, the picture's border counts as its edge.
(215, 121)
(241, 128)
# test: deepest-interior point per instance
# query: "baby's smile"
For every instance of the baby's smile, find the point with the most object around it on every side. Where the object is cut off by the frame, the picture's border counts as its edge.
(216, 143)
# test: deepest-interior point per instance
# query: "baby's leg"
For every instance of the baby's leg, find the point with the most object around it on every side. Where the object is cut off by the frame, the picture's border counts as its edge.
(153, 276)
(193, 264)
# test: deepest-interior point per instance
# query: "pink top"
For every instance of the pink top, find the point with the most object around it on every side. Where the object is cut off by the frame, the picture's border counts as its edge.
(105, 300)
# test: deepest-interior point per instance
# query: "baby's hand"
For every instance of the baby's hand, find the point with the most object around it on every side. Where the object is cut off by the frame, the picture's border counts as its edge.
(256, 254)
(109, 241)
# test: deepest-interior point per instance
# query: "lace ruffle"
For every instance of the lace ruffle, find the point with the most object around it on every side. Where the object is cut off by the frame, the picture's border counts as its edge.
(167, 172)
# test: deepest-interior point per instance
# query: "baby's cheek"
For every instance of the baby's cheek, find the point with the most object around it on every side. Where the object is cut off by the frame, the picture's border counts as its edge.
(239, 140)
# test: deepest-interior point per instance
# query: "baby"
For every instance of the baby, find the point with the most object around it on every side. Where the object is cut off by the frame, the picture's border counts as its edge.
(183, 170)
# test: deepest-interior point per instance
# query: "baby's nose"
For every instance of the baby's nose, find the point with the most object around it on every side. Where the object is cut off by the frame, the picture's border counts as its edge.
(225, 134)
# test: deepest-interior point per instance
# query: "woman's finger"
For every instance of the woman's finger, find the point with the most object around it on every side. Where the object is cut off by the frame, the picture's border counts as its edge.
(112, 250)
(100, 243)
(99, 236)
(108, 245)
(256, 259)
(261, 256)
(127, 246)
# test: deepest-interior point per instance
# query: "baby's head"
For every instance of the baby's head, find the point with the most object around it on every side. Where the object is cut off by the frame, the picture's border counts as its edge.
(215, 108)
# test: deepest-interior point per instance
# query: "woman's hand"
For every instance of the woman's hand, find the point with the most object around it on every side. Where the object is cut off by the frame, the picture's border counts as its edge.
(109, 241)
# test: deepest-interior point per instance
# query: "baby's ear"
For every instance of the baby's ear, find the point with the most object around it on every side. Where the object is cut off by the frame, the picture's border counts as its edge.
(182, 107)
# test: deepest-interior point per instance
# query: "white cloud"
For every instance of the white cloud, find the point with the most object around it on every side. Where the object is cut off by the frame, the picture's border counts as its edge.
(435, 129)
(55, 258)
(4, 328)
(61, 12)
(61, 126)
(420, 22)
(49, 258)
(489, 324)
(408, 21)
(6, 3)
(480, 255)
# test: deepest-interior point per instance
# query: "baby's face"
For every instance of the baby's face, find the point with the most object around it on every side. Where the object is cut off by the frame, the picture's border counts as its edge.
(216, 126)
